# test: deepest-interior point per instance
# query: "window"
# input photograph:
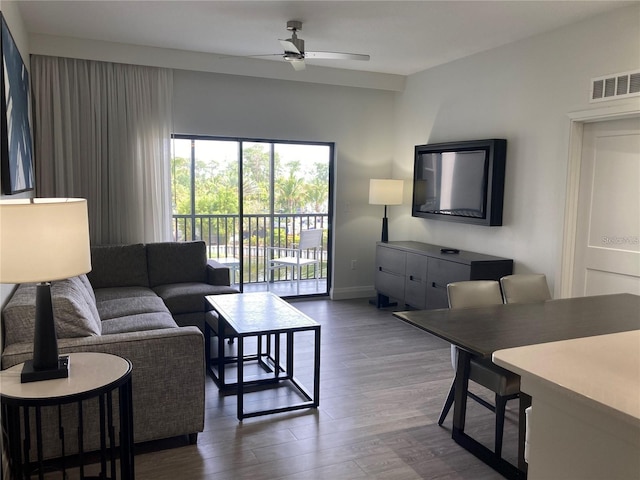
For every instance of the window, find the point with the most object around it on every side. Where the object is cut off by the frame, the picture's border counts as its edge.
(242, 195)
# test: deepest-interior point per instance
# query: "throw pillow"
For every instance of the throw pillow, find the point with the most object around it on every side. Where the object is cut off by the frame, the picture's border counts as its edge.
(74, 315)
(87, 284)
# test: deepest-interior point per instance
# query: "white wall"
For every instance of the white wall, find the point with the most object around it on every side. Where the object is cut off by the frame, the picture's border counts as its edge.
(521, 92)
(358, 120)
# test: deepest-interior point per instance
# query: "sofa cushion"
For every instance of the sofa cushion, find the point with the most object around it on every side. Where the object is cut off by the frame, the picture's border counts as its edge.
(74, 315)
(87, 285)
(71, 289)
(111, 293)
(74, 309)
(189, 297)
(177, 262)
(138, 323)
(118, 266)
(123, 307)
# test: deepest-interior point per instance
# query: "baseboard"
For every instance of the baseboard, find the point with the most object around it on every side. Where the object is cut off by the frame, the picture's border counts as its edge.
(352, 292)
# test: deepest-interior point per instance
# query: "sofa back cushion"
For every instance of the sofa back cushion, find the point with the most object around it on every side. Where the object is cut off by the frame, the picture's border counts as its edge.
(88, 288)
(176, 262)
(74, 313)
(118, 266)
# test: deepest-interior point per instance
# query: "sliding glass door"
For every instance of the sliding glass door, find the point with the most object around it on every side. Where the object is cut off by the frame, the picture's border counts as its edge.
(244, 196)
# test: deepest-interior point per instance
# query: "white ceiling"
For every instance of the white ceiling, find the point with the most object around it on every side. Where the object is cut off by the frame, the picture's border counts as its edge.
(402, 37)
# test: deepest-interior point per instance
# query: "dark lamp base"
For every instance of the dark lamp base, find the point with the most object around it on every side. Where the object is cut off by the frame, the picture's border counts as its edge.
(30, 374)
(385, 229)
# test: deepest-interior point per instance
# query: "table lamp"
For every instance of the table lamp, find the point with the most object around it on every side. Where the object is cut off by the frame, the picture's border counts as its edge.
(43, 240)
(385, 192)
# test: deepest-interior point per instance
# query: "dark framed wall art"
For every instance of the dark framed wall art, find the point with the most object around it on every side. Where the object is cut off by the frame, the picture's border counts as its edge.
(17, 160)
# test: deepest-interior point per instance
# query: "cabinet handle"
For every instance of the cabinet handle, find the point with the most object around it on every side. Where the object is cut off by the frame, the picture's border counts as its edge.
(435, 285)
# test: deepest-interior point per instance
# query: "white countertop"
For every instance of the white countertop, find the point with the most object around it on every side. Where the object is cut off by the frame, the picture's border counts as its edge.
(603, 370)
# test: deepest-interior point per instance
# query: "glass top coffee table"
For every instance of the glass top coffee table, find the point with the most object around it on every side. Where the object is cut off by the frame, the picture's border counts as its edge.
(268, 318)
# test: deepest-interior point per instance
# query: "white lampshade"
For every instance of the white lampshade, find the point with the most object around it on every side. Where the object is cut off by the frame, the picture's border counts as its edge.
(385, 192)
(43, 239)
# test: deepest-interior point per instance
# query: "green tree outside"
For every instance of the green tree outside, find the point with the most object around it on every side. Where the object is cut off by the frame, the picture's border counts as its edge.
(297, 190)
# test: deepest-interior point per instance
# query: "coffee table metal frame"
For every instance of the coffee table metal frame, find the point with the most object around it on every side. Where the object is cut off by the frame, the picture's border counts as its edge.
(269, 331)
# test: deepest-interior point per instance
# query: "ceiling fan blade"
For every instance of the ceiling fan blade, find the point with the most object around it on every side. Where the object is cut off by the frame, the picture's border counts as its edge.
(298, 64)
(289, 46)
(263, 55)
(336, 56)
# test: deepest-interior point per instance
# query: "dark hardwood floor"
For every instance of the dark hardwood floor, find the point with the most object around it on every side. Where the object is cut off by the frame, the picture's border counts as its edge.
(382, 387)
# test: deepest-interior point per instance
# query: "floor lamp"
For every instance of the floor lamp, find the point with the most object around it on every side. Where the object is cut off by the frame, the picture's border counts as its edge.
(43, 240)
(385, 192)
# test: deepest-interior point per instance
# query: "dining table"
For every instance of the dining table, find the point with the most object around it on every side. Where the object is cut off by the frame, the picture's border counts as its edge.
(479, 332)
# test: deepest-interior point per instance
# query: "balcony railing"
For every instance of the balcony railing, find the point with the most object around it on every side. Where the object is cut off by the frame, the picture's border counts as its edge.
(229, 238)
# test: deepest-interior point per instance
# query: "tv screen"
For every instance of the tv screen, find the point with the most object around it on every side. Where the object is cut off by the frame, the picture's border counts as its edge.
(462, 181)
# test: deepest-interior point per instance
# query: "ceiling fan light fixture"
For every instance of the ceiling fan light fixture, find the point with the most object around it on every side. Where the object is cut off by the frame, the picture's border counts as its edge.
(294, 25)
(298, 42)
(293, 56)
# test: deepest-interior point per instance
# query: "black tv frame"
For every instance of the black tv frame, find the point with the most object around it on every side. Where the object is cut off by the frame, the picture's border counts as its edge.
(496, 152)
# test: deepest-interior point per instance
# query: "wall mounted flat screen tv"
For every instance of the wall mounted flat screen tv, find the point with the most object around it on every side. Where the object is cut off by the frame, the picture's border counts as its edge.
(460, 181)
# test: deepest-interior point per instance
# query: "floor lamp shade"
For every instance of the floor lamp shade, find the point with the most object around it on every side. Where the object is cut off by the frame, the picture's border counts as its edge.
(42, 240)
(385, 192)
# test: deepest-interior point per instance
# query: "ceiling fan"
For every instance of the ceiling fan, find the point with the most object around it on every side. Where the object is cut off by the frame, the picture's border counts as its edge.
(295, 53)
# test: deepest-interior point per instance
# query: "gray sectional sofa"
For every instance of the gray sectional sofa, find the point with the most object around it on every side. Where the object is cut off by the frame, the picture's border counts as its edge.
(142, 302)
(176, 272)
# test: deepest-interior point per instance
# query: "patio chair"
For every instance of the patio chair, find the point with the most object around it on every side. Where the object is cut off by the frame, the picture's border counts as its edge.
(306, 253)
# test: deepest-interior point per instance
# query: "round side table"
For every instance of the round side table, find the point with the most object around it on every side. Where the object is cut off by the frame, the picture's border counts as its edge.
(91, 375)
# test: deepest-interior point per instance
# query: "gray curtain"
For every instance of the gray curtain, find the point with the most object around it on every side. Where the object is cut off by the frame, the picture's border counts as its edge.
(103, 132)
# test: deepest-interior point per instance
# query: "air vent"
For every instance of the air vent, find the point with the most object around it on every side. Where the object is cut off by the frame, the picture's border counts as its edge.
(619, 85)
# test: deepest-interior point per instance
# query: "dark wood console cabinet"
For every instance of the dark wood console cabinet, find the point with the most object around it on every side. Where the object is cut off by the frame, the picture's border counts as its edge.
(416, 274)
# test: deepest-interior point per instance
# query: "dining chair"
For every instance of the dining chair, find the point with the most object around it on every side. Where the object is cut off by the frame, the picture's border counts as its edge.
(504, 384)
(525, 288)
(306, 253)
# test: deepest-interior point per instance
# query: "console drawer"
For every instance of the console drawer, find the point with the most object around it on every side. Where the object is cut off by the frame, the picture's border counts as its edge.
(415, 286)
(390, 285)
(389, 276)
(390, 260)
(440, 273)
